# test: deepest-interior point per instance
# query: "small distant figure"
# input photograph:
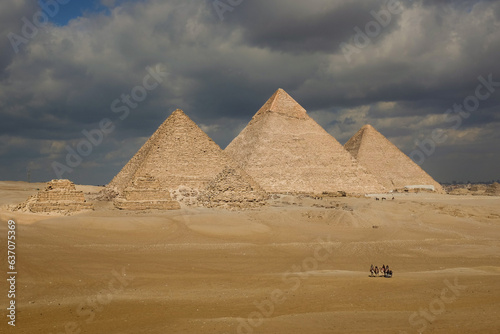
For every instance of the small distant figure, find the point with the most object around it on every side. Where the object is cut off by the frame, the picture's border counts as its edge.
(376, 198)
(393, 198)
(388, 272)
(383, 271)
(383, 198)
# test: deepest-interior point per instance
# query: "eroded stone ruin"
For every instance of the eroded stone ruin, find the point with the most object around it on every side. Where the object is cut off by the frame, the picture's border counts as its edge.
(493, 189)
(58, 196)
(145, 193)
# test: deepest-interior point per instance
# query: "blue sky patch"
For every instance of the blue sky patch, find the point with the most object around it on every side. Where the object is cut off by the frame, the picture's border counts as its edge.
(61, 14)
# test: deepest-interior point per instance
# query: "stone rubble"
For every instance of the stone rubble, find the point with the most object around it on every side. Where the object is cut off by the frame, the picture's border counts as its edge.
(493, 189)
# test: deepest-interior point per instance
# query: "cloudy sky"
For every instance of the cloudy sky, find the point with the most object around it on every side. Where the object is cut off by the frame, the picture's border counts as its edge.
(411, 69)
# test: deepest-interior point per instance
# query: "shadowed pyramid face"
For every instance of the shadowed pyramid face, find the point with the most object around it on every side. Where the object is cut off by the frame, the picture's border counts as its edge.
(366, 133)
(285, 150)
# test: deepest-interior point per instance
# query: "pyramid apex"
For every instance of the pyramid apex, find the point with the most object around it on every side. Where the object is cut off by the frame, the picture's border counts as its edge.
(367, 128)
(283, 92)
(179, 111)
(282, 103)
(179, 114)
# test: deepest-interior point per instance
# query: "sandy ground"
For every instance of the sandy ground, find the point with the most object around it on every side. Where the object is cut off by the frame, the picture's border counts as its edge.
(296, 266)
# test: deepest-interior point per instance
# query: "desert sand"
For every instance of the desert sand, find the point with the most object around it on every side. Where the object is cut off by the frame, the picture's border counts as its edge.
(297, 265)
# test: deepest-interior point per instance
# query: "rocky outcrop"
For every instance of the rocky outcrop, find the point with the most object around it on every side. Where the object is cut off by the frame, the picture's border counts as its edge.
(493, 189)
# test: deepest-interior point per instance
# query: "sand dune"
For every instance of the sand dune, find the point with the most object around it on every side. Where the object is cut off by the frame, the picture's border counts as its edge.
(297, 265)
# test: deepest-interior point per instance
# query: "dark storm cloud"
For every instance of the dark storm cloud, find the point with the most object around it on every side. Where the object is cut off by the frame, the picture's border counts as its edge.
(66, 79)
(306, 26)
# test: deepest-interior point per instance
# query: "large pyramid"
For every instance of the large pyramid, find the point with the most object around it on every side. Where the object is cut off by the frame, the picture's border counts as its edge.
(286, 151)
(393, 168)
(180, 156)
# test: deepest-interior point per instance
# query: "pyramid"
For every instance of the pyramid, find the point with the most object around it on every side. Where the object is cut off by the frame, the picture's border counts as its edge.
(286, 151)
(145, 193)
(181, 157)
(58, 196)
(233, 188)
(391, 167)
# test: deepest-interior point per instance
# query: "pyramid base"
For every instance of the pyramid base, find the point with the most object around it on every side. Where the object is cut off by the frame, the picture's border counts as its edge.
(236, 202)
(237, 205)
(146, 205)
(44, 207)
(33, 205)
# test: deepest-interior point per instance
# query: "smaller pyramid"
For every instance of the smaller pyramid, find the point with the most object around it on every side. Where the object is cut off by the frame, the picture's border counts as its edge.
(233, 189)
(59, 196)
(391, 167)
(145, 193)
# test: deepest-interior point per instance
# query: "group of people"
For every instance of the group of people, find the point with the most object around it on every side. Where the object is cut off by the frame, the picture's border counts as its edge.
(383, 271)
